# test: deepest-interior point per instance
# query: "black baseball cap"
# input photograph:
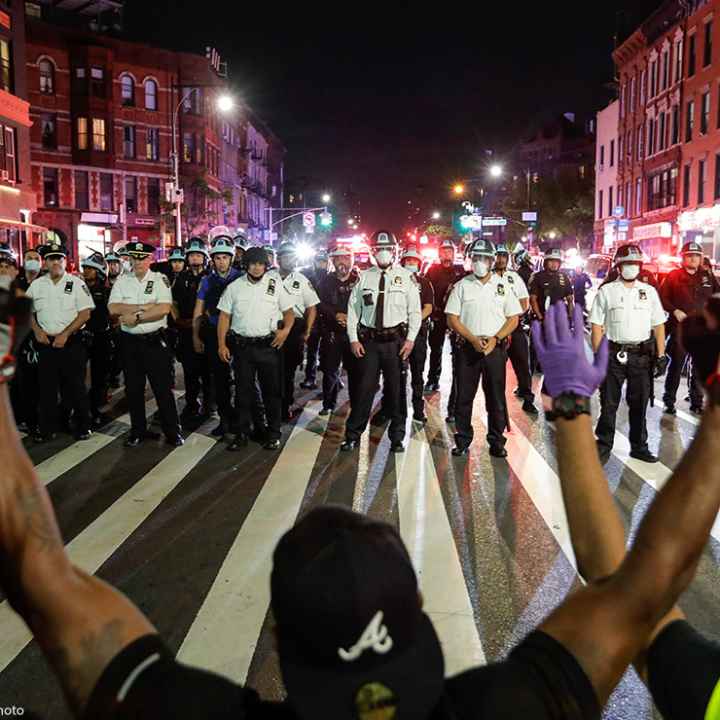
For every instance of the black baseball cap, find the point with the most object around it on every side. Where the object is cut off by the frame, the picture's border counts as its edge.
(138, 249)
(352, 637)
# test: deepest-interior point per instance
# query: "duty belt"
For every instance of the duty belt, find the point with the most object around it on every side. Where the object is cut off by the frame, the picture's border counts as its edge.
(244, 341)
(145, 337)
(384, 335)
(641, 348)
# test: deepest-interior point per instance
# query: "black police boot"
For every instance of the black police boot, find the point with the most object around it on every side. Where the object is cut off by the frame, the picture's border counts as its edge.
(82, 435)
(100, 419)
(379, 419)
(419, 417)
(272, 445)
(603, 453)
(174, 440)
(349, 445)
(643, 454)
(326, 411)
(498, 451)
(40, 438)
(219, 431)
(460, 450)
(450, 419)
(696, 409)
(670, 408)
(396, 446)
(529, 407)
(309, 385)
(241, 441)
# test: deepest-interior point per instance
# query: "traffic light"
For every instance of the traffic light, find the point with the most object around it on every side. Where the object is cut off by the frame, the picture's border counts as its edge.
(326, 219)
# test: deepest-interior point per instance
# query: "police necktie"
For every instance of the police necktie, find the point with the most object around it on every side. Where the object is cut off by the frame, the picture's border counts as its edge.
(380, 316)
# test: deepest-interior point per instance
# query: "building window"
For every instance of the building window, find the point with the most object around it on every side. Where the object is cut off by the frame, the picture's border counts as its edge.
(633, 95)
(152, 144)
(665, 72)
(47, 77)
(151, 95)
(98, 134)
(686, 185)
(640, 142)
(701, 182)
(678, 61)
(131, 194)
(612, 153)
(675, 125)
(707, 49)
(8, 155)
(97, 82)
(628, 144)
(50, 187)
(717, 176)
(127, 91)
(691, 56)
(107, 198)
(661, 131)
(622, 101)
(129, 141)
(48, 127)
(610, 201)
(638, 196)
(602, 155)
(82, 190)
(188, 147)
(601, 207)
(653, 78)
(651, 137)
(705, 114)
(628, 200)
(82, 133)
(643, 85)
(662, 189)
(153, 196)
(6, 74)
(690, 121)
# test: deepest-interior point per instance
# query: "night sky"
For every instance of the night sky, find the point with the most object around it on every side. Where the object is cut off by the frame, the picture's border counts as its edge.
(392, 100)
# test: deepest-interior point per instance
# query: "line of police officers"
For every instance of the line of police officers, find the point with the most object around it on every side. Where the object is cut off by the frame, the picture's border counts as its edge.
(240, 326)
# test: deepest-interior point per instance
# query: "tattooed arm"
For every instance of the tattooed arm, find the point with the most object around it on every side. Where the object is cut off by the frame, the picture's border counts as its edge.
(80, 622)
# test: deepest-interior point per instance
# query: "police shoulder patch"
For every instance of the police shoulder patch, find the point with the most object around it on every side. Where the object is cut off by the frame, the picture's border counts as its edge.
(398, 280)
(296, 285)
(642, 294)
(85, 289)
(149, 287)
(510, 279)
(166, 281)
(69, 286)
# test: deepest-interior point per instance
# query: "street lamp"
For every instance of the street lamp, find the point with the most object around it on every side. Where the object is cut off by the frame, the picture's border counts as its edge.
(459, 189)
(496, 171)
(224, 104)
(436, 215)
(552, 234)
(326, 198)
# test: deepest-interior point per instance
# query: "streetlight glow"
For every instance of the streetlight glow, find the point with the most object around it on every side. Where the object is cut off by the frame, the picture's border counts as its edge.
(225, 103)
(459, 189)
(436, 215)
(552, 235)
(326, 198)
(496, 171)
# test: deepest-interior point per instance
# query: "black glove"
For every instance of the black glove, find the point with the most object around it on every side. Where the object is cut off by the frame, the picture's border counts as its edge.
(14, 327)
(661, 364)
(700, 336)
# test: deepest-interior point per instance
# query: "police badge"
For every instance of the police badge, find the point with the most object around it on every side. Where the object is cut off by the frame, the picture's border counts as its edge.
(501, 290)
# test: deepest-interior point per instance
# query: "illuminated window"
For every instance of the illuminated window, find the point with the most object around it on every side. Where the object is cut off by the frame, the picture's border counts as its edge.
(98, 134)
(150, 95)
(47, 77)
(82, 133)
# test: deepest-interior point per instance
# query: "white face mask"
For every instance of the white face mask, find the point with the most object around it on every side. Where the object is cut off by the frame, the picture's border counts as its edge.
(32, 265)
(384, 257)
(630, 272)
(480, 268)
(412, 267)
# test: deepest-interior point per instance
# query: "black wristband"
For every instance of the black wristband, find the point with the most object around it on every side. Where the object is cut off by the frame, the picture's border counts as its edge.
(568, 405)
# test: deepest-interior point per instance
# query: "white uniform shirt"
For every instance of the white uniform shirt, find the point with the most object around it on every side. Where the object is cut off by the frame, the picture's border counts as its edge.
(483, 308)
(255, 307)
(57, 304)
(300, 290)
(628, 314)
(516, 284)
(153, 289)
(402, 301)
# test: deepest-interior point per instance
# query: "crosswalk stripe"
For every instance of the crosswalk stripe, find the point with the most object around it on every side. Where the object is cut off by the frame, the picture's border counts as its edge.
(426, 531)
(94, 545)
(57, 465)
(240, 596)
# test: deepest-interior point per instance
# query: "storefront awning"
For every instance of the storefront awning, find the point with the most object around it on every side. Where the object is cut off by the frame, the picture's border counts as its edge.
(18, 225)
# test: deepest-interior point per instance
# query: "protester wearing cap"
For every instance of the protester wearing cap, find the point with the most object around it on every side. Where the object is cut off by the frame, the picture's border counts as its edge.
(685, 291)
(630, 314)
(98, 336)
(334, 342)
(384, 318)
(205, 322)
(196, 368)
(305, 302)
(412, 262)
(442, 276)
(142, 301)
(61, 306)
(550, 285)
(256, 317)
(317, 276)
(483, 311)
(519, 346)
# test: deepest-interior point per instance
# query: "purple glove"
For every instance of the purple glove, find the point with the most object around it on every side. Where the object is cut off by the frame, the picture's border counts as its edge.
(562, 354)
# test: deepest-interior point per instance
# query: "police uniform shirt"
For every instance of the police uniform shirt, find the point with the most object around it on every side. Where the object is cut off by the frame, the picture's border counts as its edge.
(483, 308)
(57, 304)
(255, 308)
(184, 291)
(300, 289)
(688, 291)
(211, 290)
(401, 301)
(153, 289)
(628, 314)
(427, 294)
(516, 283)
(550, 287)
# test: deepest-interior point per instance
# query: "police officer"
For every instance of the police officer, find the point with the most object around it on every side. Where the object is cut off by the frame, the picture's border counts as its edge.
(519, 348)
(383, 321)
(581, 284)
(550, 285)
(240, 242)
(523, 265)
(142, 301)
(61, 305)
(442, 276)
(412, 262)
(195, 365)
(205, 322)
(126, 263)
(684, 291)
(271, 256)
(176, 261)
(628, 312)
(305, 302)
(484, 311)
(114, 267)
(97, 334)
(317, 275)
(334, 343)
(8, 264)
(259, 314)
(645, 275)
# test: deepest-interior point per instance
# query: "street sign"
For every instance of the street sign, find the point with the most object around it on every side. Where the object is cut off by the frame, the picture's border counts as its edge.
(619, 211)
(471, 222)
(309, 220)
(623, 225)
(494, 221)
(530, 216)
